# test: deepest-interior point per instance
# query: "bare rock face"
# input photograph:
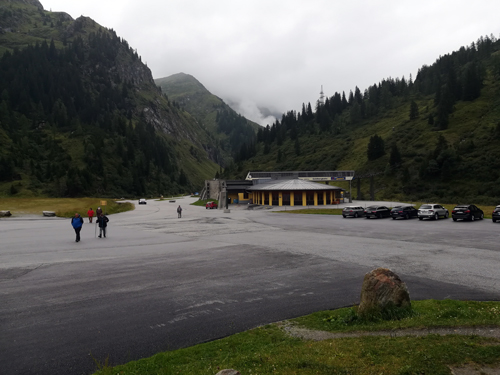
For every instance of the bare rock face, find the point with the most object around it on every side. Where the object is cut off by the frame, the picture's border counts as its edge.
(382, 289)
(228, 372)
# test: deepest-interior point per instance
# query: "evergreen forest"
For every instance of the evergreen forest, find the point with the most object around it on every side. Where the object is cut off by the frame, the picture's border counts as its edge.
(435, 137)
(80, 115)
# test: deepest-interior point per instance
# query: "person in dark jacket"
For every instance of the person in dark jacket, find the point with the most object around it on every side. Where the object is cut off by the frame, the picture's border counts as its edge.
(98, 211)
(77, 223)
(179, 211)
(102, 220)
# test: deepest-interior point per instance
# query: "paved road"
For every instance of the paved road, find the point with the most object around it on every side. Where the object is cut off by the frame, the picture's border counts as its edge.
(158, 282)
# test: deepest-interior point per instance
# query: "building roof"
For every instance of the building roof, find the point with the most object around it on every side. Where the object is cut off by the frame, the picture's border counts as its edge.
(304, 175)
(291, 185)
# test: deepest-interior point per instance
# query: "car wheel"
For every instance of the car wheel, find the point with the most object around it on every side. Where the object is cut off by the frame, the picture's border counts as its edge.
(454, 219)
(407, 216)
(436, 216)
(494, 220)
(355, 214)
(343, 216)
(446, 215)
(481, 217)
(472, 218)
(393, 218)
(420, 218)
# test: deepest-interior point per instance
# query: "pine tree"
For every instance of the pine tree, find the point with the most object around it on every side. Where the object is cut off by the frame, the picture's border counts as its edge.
(395, 157)
(413, 110)
(375, 147)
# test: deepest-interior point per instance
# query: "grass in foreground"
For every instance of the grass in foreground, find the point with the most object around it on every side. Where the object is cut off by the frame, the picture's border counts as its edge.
(64, 207)
(203, 202)
(269, 350)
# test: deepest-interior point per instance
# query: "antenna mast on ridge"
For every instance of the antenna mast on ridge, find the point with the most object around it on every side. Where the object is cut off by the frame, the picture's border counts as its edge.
(321, 96)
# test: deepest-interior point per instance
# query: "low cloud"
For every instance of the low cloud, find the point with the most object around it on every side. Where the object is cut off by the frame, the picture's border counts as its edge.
(251, 111)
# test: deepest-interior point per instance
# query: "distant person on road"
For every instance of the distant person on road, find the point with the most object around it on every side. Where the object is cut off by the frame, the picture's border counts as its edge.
(77, 222)
(103, 223)
(98, 211)
(90, 214)
(179, 211)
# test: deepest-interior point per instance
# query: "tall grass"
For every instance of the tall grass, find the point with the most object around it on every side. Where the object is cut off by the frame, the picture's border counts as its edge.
(63, 207)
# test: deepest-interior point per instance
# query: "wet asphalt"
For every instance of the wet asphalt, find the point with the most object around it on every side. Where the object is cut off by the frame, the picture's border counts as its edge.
(159, 283)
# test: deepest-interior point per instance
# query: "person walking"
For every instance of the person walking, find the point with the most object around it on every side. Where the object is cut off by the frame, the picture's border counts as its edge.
(179, 211)
(77, 223)
(90, 214)
(103, 223)
(98, 211)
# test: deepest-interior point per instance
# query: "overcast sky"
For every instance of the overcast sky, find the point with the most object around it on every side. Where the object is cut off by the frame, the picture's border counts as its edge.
(278, 53)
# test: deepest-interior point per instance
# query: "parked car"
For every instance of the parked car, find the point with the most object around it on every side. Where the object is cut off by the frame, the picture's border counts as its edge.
(142, 201)
(406, 212)
(353, 211)
(467, 212)
(377, 212)
(211, 205)
(496, 214)
(432, 211)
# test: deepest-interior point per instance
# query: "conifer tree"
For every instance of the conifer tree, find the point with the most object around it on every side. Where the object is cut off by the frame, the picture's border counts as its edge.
(413, 110)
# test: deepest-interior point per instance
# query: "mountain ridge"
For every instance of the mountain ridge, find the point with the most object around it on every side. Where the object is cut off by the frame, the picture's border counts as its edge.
(89, 90)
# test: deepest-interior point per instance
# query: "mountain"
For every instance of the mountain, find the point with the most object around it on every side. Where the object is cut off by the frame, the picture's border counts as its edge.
(436, 138)
(80, 113)
(228, 129)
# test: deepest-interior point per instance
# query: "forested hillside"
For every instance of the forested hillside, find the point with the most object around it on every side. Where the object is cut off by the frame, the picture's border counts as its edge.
(436, 137)
(229, 129)
(80, 114)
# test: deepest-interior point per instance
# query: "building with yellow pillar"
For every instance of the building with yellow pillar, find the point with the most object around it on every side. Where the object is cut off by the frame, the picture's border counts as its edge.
(295, 193)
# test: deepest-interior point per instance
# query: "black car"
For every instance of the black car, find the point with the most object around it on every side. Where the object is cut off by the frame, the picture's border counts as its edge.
(377, 212)
(406, 212)
(467, 212)
(496, 214)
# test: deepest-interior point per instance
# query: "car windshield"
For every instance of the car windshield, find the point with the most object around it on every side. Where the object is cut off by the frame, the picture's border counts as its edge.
(461, 207)
(397, 208)
(371, 208)
(426, 207)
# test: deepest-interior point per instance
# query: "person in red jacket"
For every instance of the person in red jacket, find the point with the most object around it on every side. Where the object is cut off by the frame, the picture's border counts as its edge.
(90, 213)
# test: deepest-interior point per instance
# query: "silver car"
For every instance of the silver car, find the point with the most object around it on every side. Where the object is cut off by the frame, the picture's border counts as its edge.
(432, 211)
(354, 211)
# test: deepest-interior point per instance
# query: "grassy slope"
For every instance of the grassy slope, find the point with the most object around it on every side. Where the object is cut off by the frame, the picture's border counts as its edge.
(471, 121)
(197, 100)
(64, 207)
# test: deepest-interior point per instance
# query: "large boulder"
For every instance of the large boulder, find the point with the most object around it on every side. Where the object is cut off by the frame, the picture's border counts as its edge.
(383, 292)
(49, 213)
(228, 372)
(5, 213)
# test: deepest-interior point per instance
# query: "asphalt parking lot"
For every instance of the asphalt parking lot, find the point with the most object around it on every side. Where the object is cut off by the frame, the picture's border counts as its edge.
(159, 283)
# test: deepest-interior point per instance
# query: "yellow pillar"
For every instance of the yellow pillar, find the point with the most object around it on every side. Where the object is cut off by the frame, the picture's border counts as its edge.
(315, 198)
(331, 196)
(270, 198)
(304, 199)
(263, 198)
(324, 198)
(292, 199)
(281, 198)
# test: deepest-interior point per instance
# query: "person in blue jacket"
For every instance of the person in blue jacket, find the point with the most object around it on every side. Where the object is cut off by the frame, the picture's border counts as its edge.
(77, 223)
